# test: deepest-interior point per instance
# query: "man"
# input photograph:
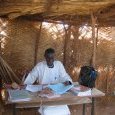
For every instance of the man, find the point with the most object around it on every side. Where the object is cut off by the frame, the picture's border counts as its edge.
(50, 72)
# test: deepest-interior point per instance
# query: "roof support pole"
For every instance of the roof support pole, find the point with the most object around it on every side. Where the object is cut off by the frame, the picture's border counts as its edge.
(36, 44)
(94, 38)
(67, 36)
(0, 47)
(93, 21)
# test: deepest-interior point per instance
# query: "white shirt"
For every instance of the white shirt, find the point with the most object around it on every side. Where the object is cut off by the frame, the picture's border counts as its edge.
(45, 75)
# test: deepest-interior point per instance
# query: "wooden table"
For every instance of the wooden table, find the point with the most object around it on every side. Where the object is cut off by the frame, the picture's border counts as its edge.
(65, 99)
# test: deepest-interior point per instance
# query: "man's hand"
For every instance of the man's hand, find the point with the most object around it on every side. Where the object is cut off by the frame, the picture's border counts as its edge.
(46, 91)
(14, 85)
(67, 83)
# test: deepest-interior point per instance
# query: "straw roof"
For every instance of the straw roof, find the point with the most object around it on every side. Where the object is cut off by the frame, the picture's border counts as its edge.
(60, 10)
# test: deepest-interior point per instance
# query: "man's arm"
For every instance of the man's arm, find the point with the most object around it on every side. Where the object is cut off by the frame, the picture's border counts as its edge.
(32, 76)
(64, 75)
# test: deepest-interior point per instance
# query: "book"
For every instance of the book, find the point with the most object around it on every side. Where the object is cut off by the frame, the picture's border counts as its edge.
(18, 95)
(60, 88)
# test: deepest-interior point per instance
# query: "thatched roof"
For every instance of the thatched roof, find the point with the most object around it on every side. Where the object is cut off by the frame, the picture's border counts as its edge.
(60, 10)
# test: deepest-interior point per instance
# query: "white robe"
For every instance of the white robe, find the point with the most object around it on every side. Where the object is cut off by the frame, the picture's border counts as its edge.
(45, 75)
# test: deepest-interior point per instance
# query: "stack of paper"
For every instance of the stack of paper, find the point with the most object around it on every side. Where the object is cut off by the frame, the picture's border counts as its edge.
(85, 93)
(34, 88)
(81, 91)
(51, 95)
(60, 88)
(19, 95)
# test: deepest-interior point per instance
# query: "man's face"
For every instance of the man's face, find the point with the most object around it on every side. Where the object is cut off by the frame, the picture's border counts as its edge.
(50, 59)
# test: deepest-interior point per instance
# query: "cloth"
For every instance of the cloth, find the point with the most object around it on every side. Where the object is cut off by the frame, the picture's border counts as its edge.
(55, 110)
(45, 75)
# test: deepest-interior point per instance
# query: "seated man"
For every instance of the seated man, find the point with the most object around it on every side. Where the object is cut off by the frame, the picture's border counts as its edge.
(50, 72)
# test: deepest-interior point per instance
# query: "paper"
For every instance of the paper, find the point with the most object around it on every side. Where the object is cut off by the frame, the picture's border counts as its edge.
(85, 93)
(50, 96)
(81, 91)
(34, 88)
(19, 95)
(60, 88)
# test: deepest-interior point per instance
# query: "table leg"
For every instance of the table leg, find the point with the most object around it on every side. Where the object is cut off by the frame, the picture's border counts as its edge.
(93, 106)
(14, 109)
(84, 106)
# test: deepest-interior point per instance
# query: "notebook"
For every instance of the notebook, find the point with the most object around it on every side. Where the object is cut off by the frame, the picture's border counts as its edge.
(60, 88)
(19, 95)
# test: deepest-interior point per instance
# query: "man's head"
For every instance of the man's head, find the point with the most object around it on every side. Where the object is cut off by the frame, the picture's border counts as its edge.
(49, 56)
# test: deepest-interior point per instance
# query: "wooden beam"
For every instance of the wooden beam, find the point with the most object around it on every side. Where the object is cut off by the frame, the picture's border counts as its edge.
(57, 7)
(75, 20)
(36, 44)
(107, 12)
(15, 15)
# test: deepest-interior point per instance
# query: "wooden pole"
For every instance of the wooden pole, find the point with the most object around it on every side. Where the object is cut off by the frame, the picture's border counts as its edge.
(93, 20)
(75, 46)
(0, 46)
(36, 44)
(67, 35)
(6, 68)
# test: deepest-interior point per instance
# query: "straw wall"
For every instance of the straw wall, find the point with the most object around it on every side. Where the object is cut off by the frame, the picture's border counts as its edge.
(19, 52)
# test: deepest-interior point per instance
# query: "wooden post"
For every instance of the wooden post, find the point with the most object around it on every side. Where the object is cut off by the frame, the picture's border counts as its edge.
(0, 63)
(75, 46)
(67, 34)
(36, 44)
(0, 46)
(93, 19)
